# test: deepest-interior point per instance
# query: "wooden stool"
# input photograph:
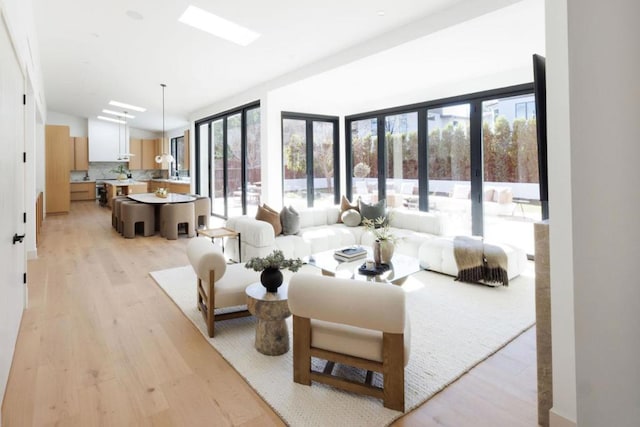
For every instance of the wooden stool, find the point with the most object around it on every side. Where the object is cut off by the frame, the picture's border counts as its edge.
(133, 213)
(174, 214)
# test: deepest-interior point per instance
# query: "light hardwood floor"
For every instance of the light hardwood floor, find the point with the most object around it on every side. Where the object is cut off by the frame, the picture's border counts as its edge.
(101, 344)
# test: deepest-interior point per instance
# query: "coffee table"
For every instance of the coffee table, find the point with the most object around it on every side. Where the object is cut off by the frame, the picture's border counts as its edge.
(401, 267)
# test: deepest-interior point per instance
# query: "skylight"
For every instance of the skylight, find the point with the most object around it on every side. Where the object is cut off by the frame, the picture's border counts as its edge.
(110, 119)
(219, 27)
(127, 106)
(119, 114)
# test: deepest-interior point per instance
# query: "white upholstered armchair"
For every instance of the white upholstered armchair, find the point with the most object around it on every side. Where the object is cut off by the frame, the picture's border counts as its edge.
(351, 322)
(218, 285)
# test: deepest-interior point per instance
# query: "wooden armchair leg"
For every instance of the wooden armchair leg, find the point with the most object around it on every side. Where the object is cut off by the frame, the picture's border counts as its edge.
(393, 371)
(301, 350)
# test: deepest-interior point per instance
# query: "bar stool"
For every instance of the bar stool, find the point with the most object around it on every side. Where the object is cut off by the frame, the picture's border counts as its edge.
(202, 206)
(117, 208)
(114, 216)
(134, 213)
(174, 214)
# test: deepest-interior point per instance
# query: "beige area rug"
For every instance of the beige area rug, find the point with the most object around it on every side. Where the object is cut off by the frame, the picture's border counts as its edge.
(454, 326)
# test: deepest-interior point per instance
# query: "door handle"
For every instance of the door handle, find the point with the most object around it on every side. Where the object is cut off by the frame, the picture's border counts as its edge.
(17, 238)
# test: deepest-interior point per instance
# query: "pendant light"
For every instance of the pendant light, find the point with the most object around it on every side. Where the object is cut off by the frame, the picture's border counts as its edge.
(164, 157)
(126, 155)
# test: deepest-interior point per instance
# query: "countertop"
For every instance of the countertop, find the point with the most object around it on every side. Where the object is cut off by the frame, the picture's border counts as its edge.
(123, 183)
(175, 181)
(82, 181)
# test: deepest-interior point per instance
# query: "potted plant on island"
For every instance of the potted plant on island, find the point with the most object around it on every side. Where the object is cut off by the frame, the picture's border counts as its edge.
(384, 245)
(121, 171)
(271, 276)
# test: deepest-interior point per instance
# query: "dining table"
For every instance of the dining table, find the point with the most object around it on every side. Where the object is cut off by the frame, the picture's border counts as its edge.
(158, 202)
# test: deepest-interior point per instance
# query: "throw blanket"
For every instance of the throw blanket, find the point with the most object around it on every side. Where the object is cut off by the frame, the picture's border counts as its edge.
(478, 261)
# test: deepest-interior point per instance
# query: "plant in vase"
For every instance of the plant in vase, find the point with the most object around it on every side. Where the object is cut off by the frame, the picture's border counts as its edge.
(384, 244)
(121, 171)
(271, 276)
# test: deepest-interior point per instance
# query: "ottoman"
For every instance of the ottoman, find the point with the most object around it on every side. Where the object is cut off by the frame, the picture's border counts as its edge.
(437, 255)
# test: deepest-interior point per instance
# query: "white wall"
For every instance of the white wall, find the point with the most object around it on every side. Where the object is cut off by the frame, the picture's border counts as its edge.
(604, 65)
(560, 212)
(77, 125)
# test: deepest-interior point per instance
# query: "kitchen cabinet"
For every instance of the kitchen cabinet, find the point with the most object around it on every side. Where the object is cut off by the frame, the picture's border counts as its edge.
(135, 148)
(149, 153)
(83, 191)
(187, 160)
(79, 153)
(176, 187)
(58, 169)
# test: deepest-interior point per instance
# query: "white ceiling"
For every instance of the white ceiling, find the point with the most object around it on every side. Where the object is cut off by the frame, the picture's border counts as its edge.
(93, 51)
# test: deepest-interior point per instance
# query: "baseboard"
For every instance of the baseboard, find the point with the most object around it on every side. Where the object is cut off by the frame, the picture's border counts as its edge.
(556, 420)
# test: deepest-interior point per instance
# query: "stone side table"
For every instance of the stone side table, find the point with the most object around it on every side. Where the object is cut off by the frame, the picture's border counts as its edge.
(271, 310)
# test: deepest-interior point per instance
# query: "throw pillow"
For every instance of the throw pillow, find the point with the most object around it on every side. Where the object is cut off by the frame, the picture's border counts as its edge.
(373, 211)
(269, 216)
(345, 205)
(351, 218)
(290, 220)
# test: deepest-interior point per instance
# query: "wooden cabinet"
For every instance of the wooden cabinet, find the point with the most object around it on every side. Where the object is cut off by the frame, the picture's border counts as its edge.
(79, 153)
(154, 185)
(83, 191)
(138, 188)
(58, 167)
(135, 148)
(149, 153)
(186, 161)
(175, 187)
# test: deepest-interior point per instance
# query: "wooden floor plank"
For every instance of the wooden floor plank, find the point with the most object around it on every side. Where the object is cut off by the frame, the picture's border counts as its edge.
(101, 344)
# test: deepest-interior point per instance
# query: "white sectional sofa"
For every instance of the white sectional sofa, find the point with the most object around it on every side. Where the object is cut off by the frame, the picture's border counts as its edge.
(420, 234)
(320, 230)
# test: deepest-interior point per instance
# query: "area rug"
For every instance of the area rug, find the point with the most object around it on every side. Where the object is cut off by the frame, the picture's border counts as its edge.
(454, 326)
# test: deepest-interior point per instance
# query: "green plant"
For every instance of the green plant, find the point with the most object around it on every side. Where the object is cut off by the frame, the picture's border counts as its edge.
(275, 259)
(120, 169)
(380, 228)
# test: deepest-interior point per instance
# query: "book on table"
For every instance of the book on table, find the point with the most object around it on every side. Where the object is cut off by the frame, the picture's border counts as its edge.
(350, 253)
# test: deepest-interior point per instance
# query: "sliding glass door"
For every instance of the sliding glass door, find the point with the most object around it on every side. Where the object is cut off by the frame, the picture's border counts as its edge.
(309, 158)
(511, 193)
(233, 139)
(449, 165)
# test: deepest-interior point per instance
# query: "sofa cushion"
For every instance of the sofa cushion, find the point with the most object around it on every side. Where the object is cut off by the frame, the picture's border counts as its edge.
(373, 211)
(290, 220)
(423, 222)
(351, 218)
(345, 205)
(327, 237)
(269, 215)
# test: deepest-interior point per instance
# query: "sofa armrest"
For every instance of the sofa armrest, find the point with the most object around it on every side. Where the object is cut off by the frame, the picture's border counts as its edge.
(252, 231)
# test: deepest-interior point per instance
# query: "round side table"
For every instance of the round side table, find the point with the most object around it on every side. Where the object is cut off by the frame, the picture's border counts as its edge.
(271, 309)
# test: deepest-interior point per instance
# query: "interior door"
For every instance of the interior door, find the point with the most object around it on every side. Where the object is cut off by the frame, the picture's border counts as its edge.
(12, 256)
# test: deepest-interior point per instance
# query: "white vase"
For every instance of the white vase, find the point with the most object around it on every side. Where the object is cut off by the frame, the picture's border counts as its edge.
(386, 251)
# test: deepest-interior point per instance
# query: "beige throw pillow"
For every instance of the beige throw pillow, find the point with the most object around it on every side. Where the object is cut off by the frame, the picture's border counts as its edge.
(267, 214)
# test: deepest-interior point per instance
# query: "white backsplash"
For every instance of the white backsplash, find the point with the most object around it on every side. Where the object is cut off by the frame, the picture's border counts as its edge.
(104, 170)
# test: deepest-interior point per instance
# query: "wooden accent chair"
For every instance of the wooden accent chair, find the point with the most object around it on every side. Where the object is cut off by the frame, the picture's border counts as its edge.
(354, 323)
(218, 284)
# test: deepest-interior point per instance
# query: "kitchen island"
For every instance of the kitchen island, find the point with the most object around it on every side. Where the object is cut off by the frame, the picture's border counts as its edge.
(116, 187)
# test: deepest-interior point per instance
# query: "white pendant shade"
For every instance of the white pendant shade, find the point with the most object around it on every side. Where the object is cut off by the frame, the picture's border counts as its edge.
(165, 158)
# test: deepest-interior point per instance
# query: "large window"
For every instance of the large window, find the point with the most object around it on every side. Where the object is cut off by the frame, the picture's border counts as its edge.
(472, 158)
(309, 159)
(180, 164)
(233, 139)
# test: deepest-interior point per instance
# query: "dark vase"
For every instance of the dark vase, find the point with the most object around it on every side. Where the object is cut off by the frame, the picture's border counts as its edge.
(271, 278)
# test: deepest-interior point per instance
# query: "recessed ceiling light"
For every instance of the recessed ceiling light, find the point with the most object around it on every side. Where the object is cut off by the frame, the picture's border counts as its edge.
(109, 119)
(381, 13)
(219, 27)
(119, 114)
(127, 106)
